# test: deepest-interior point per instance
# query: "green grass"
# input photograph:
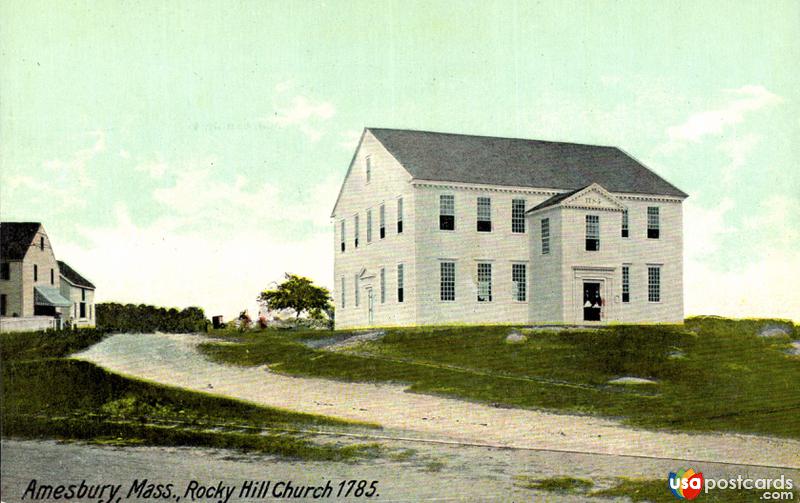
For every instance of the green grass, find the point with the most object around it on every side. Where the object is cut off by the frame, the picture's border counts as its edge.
(563, 485)
(48, 396)
(727, 379)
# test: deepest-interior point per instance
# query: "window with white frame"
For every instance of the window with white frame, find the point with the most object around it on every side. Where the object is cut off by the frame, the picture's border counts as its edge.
(400, 281)
(484, 214)
(626, 283)
(519, 282)
(357, 297)
(518, 216)
(654, 283)
(545, 236)
(447, 281)
(624, 223)
(369, 226)
(592, 232)
(369, 168)
(341, 236)
(400, 215)
(382, 213)
(484, 282)
(344, 294)
(653, 224)
(447, 212)
(383, 285)
(356, 230)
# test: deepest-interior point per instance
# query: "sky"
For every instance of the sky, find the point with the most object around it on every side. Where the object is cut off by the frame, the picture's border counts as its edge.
(189, 153)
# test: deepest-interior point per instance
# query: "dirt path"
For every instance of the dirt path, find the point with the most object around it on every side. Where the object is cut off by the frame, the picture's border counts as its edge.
(174, 360)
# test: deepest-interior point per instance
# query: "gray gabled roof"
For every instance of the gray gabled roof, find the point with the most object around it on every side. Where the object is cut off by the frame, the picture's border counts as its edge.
(72, 275)
(16, 239)
(520, 163)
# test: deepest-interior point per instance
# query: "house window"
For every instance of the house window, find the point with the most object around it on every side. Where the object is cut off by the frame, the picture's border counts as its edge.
(545, 236)
(41, 243)
(383, 221)
(369, 169)
(75, 310)
(624, 223)
(83, 309)
(400, 215)
(83, 294)
(400, 283)
(519, 282)
(447, 280)
(3, 304)
(592, 232)
(5, 270)
(52, 277)
(447, 212)
(35, 272)
(654, 283)
(369, 226)
(356, 231)
(343, 291)
(652, 222)
(355, 288)
(518, 216)
(484, 282)
(341, 236)
(484, 214)
(383, 285)
(626, 283)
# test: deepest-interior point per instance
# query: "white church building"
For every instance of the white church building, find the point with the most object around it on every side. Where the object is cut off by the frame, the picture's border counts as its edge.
(436, 228)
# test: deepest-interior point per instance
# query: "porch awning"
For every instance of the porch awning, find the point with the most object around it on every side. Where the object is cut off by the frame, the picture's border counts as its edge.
(49, 296)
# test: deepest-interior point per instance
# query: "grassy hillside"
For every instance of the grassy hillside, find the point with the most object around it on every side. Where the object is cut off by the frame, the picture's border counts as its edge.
(46, 395)
(711, 374)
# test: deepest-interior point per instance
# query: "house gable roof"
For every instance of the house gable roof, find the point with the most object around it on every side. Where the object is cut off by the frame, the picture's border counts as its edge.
(16, 239)
(602, 199)
(72, 275)
(518, 162)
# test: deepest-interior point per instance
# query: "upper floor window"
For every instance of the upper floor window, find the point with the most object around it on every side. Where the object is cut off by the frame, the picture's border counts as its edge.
(545, 236)
(356, 231)
(626, 283)
(83, 294)
(653, 223)
(341, 236)
(484, 214)
(400, 281)
(400, 215)
(5, 270)
(35, 272)
(447, 212)
(52, 277)
(624, 223)
(383, 285)
(382, 221)
(654, 283)
(369, 169)
(484, 282)
(369, 226)
(447, 280)
(41, 242)
(518, 215)
(592, 232)
(519, 279)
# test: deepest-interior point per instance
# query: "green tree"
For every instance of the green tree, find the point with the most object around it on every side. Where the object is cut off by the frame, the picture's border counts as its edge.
(297, 293)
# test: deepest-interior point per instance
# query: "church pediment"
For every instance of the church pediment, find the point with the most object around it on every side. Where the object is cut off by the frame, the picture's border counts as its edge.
(593, 197)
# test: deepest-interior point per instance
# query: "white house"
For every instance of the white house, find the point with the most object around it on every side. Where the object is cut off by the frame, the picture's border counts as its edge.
(436, 228)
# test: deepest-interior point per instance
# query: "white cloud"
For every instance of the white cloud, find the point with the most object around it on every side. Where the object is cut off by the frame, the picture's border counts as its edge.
(349, 139)
(75, 168)
(155, 169)
(303, 113)
(738, 150)
(704, 227)
(713, 122)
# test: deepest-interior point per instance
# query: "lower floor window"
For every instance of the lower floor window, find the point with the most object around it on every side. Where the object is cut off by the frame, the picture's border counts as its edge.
(83, 309)
(654, 283)
(626, 283)
(447, 282)
(484, 282)
(519, 282)
(400, 282)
